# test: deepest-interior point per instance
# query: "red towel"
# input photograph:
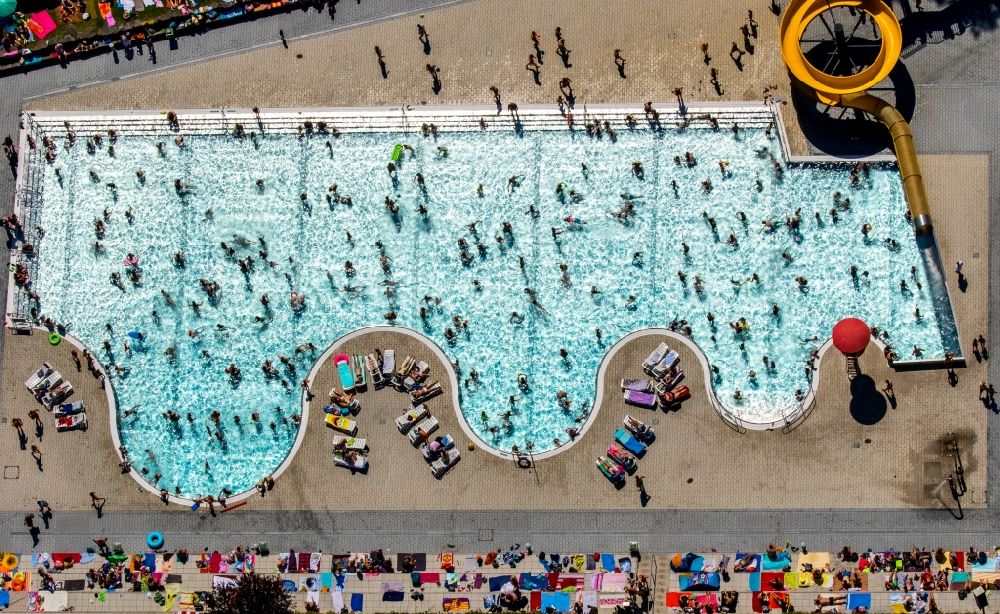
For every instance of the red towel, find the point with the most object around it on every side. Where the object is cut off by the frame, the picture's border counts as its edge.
(215, 563)
(567, 582)
(304, 558)
(553, 578)
(772, 581)
(59, 557)
(960, 555)
(674, 599)
(535, 601)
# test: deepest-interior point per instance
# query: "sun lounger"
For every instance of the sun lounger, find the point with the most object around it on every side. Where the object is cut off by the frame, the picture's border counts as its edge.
(619, 456)
(425, 393)
(676, 395)
(354, 461)
(637, 385)
(374, 368)
(74, 422)
(629, 442)
(655, 357)
(68, 409)
(640, 399)
(342, 424)
(57, 395)
(402, 371)
(642, 432)
(423, 430)
(670, 380)
(416, 375)
(343, 363)
(36, 378)
(50, 381)
(388, 363)
(448, 459)
(350, 443)
(669, 362)
(360, 373)
(412, 416)
(611, 470)
(20, 326)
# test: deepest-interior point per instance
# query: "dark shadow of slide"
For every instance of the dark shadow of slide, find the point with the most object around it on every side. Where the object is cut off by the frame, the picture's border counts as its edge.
(868, 406)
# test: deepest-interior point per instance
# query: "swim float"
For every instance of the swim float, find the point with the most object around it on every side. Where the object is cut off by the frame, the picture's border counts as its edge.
(55, 339)
(130, 260)
(397, 151)
(154, 540)
(8, 562)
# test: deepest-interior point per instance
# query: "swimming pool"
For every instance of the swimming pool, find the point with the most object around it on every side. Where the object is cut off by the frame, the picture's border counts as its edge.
(605, 284)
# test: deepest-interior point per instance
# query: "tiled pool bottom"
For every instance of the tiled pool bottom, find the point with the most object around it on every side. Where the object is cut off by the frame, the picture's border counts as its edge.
(605, 285)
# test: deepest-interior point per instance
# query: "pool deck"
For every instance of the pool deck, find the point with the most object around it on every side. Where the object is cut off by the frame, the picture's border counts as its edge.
(895, 461)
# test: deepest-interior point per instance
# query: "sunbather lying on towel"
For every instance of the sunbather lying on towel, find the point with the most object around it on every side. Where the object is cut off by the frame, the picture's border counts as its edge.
(746, 561)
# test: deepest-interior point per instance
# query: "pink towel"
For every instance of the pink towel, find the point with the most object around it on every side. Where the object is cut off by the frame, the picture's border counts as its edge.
(430, 577)
(41, 24)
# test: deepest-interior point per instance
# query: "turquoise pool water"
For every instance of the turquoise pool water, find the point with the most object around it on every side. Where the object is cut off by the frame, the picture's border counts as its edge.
(306, 241)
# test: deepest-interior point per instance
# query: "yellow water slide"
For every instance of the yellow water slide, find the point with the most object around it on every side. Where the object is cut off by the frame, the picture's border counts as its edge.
(851, 91)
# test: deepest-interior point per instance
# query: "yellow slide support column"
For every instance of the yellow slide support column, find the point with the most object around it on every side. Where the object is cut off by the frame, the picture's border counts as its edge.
(850, 91)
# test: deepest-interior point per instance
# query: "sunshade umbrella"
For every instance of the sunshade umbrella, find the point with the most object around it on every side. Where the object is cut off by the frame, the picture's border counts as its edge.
(7, 7)
(851, 336)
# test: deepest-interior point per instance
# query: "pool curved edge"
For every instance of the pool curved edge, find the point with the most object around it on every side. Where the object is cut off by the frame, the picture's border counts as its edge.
(112, 399)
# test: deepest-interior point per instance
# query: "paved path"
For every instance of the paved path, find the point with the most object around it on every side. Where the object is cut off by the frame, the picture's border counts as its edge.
(956, 113)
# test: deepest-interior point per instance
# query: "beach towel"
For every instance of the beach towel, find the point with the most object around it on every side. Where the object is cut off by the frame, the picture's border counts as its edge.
(701, 581)
(247, 565)
(289, 586)
(529, 581)
(357, 602)
(608, 562)
(535, 601)
(387, 587)
(59, 558)
(813, 560)
(612, 600)
(958, 580)
(223, 581)
(419, 560)
(589, 600)
(34, 604)
(767, 581)
(105, 10)
(558, 601)
(41, 24)
(74, 585)
(752, 567)
(338, 601)
(470, 564)
(214, 562)
(591, 562)
(782, 560)
(674, 599)
(625, 564)
(149, 561)
(304, 562)
(451, 581)
(455, 604)
(477, 582)
(311, 586)
(856, 601)
(613, 582)
(429, 577)
(898, 601)
(326, 580)
(578, 562)
(340, 580)
(773, 602)
(392, 596)
(989, 565)
(169, 599)
(697, 563)
(568, 582)
(497, 582)
(447, 560)
(710, 563)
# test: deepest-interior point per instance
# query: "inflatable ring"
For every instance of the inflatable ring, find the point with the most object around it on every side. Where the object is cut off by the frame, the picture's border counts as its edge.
(523, 462)
(155, 540)
(55, 339)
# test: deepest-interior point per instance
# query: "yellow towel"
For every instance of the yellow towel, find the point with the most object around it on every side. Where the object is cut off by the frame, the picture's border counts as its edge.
(168, 603)
(579, 561)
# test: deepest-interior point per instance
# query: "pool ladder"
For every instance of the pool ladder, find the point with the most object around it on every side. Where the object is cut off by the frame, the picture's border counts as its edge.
(852, 367)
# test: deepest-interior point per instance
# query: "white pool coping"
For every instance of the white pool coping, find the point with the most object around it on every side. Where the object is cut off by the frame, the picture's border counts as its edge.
(408, 119)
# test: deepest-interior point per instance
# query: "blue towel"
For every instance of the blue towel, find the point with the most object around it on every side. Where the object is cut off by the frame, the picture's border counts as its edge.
(149, 560)
(704, 581)
(783, 560)
(326, 580)
(533, 582)
(859, 600)
(697, 563)
(548, 565)
(755, 581)
(4, 599)
(87, 557)
(341, 580)
(357, 602)
(608, 561)
(558, 601)
(390, 596)
(497, 582)
(289, 586)
(625, 564)
(489, 601)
